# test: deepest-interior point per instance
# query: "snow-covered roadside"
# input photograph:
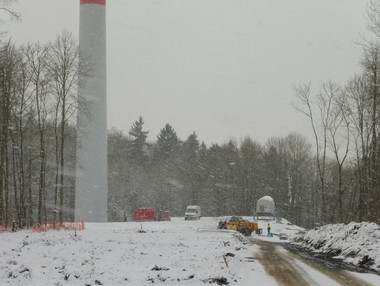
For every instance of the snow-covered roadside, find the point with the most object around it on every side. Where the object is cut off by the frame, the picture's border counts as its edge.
(165, 253)
(369, 236)
(356, 243)
(283, 227)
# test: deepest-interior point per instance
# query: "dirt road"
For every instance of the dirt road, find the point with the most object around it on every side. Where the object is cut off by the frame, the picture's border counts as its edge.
(290, 269)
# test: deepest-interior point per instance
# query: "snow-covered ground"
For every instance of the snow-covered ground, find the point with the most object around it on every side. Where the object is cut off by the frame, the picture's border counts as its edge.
(176, 252)
(356, 243)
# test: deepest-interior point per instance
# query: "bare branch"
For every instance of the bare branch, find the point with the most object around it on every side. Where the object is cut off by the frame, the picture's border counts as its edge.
(13, 14)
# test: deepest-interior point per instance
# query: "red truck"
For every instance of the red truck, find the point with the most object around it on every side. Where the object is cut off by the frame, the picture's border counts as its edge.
(144, 214)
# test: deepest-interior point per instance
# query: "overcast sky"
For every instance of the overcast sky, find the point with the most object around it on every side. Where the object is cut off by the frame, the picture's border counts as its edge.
(222, 68)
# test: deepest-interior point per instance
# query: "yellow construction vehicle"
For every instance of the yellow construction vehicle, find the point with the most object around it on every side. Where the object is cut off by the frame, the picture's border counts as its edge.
(239, 224)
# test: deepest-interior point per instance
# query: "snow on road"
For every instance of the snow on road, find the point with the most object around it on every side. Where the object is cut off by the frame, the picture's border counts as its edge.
(176, 252)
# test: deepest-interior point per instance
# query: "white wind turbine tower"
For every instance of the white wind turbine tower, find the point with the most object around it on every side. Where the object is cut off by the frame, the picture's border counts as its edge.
(91, 178)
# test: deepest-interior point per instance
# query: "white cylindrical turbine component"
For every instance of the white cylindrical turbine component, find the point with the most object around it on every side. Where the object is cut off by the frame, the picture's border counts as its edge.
(91, 178)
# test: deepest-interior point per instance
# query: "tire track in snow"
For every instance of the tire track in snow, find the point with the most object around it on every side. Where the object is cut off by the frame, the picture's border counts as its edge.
(277, 266)
(343, 277)
(290, 269)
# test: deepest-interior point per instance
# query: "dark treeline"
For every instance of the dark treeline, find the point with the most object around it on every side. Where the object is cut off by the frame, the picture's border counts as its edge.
(226, 179)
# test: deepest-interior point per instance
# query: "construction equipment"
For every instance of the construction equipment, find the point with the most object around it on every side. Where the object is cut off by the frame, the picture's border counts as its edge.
(239, 224)
(282, 236)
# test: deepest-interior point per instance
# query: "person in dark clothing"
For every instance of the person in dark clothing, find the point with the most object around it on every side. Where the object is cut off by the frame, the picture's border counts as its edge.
(14, 226)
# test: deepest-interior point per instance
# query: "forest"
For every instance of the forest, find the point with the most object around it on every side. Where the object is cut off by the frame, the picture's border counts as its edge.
(333, 178)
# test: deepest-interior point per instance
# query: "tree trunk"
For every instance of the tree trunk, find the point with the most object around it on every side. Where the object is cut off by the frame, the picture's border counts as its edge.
(30, 193)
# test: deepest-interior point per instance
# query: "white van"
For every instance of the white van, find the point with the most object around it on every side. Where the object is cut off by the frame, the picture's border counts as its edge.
(193, 212)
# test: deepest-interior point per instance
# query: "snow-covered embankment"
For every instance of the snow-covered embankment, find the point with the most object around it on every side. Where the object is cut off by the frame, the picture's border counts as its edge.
(356, 243)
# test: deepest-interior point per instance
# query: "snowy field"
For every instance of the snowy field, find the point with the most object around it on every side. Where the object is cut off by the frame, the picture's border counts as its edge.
(176, 252)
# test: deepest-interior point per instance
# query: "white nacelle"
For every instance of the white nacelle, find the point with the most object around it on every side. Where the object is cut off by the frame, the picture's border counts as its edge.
(265, 206)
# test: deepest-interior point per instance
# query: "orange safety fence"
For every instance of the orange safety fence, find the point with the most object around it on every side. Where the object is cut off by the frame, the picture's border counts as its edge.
(53, 225)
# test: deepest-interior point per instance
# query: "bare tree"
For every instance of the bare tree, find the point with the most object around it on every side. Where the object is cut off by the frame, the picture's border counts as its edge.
(291, 156)
(9, 65)
(358, 114)
(64, 68)
(323, 104)
(371, 64)
(373, 14)
(339, 139)
(5, 107)
(298, 156)
(5, 8)
(20, 109)
(37, 67)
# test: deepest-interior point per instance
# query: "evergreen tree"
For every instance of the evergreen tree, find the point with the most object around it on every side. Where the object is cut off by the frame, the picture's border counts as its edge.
(250, 173)
(167, 142)
(138, 144)
(191, 145)
(190, 171)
